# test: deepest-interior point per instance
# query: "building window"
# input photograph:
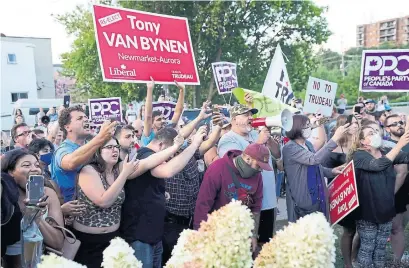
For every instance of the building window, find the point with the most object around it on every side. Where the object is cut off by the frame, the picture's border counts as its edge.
(11, 58)
(17, 96)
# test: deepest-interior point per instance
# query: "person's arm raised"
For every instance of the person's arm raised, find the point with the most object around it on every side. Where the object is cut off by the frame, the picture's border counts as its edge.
(179, 105)
(214, 136)
(156, 159)
(174, 166)
(147, 124)
(188, 129)
(53, 131)
(84, 153)
(90, 183)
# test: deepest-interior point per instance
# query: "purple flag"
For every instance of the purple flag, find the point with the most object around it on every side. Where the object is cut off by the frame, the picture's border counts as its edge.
(225, 75)
(385, 70)
(167, 108)
(101, 110)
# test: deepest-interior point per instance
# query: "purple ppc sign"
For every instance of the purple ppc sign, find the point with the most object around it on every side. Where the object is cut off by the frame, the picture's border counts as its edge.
(167, 108)
(101, 110)
(385, 70)
(225, 75)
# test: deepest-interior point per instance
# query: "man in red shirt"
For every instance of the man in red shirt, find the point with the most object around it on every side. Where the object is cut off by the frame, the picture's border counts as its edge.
(235, 176)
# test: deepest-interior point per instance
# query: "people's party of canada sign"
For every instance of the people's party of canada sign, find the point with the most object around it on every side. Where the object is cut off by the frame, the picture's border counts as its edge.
(135, 45)
(343, 194)
(385, 70)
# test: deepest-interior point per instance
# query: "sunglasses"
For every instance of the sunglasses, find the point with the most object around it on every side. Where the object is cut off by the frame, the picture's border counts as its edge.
(396, 124)
(110, 147)
(25, 133)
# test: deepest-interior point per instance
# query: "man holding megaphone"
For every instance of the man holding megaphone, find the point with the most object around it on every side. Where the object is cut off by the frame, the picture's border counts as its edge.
(238, 138)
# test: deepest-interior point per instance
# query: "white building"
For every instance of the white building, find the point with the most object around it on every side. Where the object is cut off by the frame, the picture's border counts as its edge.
(26, 73)
(43, 62)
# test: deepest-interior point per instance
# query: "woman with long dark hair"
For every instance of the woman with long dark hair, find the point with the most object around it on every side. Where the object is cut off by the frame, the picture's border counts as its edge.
(306, 187)
(375, 177)
(20, 164)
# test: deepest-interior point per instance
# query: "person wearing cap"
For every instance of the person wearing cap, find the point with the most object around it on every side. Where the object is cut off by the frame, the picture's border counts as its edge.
(238, 138)
(370, 106)
(235, 176)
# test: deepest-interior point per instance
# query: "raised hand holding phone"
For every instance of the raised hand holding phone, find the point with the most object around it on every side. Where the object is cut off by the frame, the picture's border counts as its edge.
(35, 189)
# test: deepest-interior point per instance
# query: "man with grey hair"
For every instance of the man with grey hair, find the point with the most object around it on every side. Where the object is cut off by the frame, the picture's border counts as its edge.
(239, 137)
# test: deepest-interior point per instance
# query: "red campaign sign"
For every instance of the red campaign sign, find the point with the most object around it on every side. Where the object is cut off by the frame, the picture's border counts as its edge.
(343, 195)
(134, 45)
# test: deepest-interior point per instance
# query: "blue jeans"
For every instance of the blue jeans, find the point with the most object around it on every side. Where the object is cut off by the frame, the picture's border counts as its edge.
(149, 255)
(279, 180)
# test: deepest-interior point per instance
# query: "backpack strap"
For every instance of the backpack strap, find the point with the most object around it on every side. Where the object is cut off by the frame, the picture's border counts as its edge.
(234, 177)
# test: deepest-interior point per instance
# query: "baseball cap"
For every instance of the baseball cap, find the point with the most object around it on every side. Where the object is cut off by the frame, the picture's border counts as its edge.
(370, 101)
(241, 109)
(260, 153)
(226, 123)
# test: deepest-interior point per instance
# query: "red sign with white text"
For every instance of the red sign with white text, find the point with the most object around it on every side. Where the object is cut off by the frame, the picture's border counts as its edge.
(343, 195)
(135, 45)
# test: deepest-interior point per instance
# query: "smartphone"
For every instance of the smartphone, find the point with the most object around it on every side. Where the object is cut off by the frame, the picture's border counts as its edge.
(216, 109)
(35, 189)
(357, 109)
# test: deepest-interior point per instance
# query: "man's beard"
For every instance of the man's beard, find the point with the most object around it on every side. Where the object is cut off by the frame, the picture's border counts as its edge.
(127, 149)
(398, 133)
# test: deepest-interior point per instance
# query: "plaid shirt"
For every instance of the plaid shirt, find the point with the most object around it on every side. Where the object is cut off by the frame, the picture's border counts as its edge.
(183, 189)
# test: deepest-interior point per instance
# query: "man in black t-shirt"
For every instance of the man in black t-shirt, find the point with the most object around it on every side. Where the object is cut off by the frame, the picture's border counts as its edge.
(143, 212)
(396, 128)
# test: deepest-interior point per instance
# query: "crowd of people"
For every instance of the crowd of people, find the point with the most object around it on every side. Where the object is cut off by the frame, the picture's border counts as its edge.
(148, 179)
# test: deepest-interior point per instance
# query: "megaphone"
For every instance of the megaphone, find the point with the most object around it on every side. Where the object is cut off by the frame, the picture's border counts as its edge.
(283, 120)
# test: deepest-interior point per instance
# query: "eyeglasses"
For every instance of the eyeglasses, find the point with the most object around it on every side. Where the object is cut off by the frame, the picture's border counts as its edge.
(396, 124)
(24, 133)
(110, 147)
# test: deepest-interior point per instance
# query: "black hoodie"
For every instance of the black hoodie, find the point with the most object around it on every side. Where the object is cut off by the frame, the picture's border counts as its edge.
(10, 212)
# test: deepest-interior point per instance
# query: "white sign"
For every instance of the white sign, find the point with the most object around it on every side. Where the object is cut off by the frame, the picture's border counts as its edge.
(225, 76)
(320, 96)
(277, 84)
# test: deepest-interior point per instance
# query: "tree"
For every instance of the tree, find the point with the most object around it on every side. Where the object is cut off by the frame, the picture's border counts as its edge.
(244, 32)
(328, 68)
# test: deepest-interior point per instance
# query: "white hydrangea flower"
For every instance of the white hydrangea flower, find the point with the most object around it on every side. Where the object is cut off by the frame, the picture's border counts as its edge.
(223, 241)
(120, 255)
(53, 261)
(310, 242)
